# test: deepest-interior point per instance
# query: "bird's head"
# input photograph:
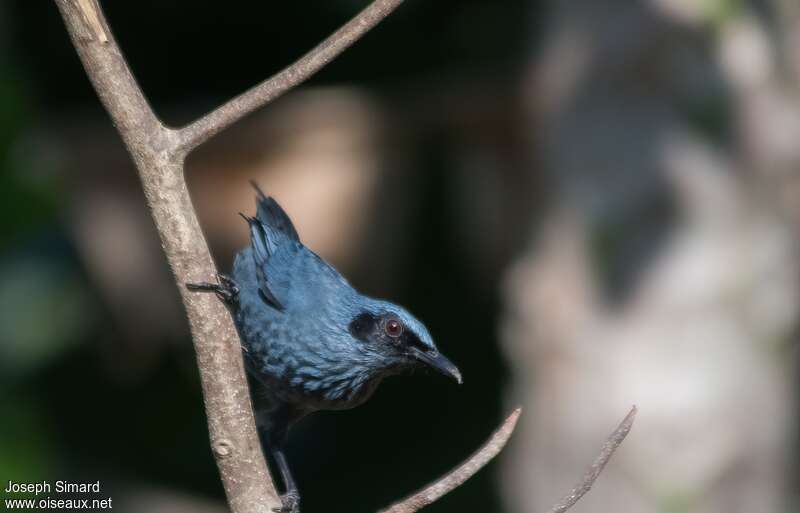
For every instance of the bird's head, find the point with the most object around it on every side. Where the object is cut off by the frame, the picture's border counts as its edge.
(392, 332)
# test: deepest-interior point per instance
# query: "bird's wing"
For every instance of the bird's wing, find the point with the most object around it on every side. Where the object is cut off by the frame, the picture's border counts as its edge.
(288, 273)
(265, 243)
(271, 231)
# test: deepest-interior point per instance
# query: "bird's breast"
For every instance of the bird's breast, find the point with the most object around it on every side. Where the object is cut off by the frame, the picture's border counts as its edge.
(301, 359)
(318, 391)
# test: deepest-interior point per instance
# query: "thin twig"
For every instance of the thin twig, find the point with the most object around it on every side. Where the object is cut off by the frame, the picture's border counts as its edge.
(493, 446)
(457, 476)
(214, 122)
(599, 464)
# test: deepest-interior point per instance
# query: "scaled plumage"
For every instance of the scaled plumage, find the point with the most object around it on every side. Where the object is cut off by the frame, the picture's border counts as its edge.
(308, 335)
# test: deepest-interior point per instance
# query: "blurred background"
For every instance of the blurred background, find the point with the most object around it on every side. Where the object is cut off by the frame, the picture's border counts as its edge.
(591, 204)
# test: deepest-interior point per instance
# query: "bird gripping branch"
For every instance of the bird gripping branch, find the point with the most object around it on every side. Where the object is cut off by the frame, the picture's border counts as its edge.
(308, 336)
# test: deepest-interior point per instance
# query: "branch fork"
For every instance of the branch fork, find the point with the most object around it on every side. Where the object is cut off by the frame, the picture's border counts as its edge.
(159, 152)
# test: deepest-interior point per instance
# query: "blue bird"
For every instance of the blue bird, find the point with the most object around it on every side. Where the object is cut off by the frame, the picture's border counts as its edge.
(308, 336)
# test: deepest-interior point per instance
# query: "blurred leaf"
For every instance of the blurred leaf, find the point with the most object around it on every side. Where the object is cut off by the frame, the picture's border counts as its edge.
(44, 309)
(722, 11)
(25, 448)
(677, 503)
(22, 204)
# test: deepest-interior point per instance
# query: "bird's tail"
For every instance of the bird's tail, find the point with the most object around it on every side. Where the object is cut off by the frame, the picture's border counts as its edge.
(272, 215)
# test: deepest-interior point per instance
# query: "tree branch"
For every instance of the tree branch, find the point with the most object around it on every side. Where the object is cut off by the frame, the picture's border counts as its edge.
(158, 153)
(598, 465)
(234, 442)
(492, 448)
(457, 476)
(214, 122)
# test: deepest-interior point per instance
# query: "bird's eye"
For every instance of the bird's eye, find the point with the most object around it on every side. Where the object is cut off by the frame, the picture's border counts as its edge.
(393, 328)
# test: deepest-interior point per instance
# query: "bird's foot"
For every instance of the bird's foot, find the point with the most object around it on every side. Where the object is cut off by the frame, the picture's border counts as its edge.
(290, 503)
(226, 290)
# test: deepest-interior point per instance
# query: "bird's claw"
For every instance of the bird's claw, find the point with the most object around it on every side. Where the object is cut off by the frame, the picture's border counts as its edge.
(226, 290)
(290, 503)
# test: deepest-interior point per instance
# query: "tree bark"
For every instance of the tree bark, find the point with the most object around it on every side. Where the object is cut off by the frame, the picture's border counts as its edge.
(234, 441)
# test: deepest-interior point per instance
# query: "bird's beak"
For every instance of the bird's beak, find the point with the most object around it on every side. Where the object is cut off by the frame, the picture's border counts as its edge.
(438, 362)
